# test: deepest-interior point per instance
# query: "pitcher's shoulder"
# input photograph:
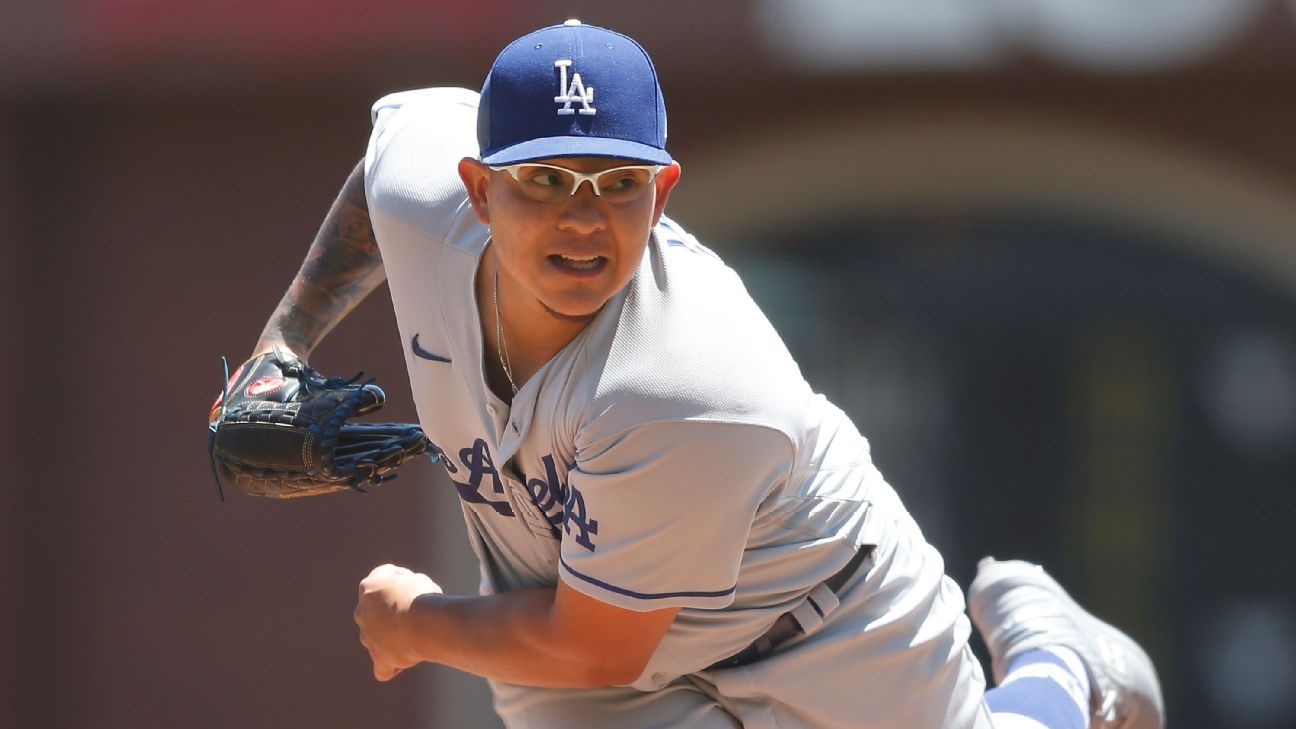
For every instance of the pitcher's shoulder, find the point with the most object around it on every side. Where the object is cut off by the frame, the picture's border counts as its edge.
(689, 343)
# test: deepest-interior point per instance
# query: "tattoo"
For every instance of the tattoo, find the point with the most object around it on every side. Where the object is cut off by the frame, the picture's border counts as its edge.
(342, 266)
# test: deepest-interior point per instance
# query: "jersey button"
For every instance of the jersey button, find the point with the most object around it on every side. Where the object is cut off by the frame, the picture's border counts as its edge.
(514, 426)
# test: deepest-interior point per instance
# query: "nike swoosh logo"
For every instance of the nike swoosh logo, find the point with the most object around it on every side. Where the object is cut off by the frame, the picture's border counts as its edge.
(420, 352)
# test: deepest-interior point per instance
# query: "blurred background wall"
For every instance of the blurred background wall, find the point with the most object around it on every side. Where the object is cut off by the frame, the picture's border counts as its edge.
(1041, 250)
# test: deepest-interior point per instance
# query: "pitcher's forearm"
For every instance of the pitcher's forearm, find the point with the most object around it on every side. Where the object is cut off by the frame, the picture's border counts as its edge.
(342, 266)
(513, 637)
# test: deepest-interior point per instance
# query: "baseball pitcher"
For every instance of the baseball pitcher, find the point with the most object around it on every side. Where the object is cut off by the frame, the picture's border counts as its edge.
(674, 529)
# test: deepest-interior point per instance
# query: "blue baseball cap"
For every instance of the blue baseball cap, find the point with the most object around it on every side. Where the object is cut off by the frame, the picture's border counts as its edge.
(572, 90)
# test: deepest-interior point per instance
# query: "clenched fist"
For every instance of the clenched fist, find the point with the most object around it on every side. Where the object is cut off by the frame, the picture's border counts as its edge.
(385, 599)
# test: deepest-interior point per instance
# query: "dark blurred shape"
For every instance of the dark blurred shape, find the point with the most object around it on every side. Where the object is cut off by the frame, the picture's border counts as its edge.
(1248, 662)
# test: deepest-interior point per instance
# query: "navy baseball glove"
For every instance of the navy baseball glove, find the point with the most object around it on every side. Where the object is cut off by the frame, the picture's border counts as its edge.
(281, 429)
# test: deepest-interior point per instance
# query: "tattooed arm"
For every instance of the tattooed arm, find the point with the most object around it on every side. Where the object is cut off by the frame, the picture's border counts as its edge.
(341, 268)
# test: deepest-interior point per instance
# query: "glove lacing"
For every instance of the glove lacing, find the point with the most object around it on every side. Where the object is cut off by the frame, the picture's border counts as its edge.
(211, 435)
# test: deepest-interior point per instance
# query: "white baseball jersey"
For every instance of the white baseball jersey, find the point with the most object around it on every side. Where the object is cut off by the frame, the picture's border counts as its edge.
(670, 455)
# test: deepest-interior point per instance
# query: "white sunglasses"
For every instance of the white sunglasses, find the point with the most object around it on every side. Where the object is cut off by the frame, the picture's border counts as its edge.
(548, 182)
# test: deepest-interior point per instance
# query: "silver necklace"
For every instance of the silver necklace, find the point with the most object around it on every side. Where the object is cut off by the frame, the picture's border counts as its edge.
(499, 337)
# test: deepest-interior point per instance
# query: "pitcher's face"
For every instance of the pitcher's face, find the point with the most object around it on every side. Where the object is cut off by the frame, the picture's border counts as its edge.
(569, 251)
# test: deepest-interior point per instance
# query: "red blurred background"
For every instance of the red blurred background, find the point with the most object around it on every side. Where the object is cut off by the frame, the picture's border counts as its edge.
(1042, 251)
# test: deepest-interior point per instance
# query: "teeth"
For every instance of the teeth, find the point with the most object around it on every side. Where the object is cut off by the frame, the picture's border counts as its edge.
(581, 262)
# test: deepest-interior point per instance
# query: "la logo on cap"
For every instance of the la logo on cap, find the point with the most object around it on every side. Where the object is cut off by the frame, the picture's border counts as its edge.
(576, 92)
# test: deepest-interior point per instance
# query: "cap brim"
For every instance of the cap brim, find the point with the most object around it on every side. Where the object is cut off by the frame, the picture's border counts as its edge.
(550, 147)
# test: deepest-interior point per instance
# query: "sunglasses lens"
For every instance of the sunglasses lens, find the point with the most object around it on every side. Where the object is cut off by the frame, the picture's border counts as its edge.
(626, 183)
(543, 182)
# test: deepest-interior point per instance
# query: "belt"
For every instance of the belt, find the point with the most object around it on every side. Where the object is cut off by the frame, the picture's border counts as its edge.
(787, 626)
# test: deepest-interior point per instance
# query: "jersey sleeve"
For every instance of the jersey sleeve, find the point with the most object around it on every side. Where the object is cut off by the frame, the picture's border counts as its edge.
(659, 515)
(411, 164)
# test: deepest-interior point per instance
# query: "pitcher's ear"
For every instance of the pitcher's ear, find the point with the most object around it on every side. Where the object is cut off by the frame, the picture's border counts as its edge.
(665, 182)
(476, 179)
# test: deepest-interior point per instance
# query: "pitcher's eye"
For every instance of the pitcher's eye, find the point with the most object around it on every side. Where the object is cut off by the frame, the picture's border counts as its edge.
(621, 182)
(542, 176)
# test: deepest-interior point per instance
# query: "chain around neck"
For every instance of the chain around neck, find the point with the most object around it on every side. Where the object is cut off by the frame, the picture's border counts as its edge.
(499, 336)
